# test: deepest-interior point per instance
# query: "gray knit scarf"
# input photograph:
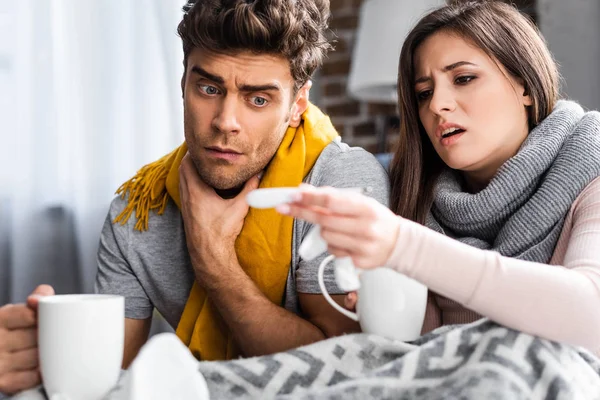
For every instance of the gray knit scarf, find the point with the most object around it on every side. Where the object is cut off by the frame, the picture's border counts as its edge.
(521, 212)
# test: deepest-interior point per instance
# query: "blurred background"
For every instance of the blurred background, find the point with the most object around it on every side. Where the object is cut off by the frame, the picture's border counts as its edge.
(90, 91)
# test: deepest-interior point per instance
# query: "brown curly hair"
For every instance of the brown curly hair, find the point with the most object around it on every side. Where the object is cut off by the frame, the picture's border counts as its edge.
(293, 29)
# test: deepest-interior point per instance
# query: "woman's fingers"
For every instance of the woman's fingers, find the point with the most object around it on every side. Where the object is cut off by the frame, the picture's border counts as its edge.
(341, 241)
(350, 301)
(328, 221)
(352, 224)
(337, 201)
(338, 251)
(300, 211)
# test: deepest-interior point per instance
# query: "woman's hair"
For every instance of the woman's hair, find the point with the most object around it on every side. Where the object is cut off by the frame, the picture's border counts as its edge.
(504, 34)
(293, 29)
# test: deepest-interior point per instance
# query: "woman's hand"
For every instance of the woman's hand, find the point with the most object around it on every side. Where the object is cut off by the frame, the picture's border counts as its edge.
(350, 301)
(352, 224)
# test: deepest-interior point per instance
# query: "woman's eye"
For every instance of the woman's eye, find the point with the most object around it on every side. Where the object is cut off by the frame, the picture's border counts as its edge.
(461, 80)
(259, 101)
(209, 90)
(424, 95)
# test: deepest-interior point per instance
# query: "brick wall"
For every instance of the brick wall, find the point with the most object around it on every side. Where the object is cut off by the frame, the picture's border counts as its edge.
(356, 121)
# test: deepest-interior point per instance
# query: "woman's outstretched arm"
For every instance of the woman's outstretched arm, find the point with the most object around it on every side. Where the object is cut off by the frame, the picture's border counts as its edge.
(559, 303)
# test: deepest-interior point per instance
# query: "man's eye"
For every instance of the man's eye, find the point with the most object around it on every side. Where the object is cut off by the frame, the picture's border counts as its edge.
(259, 101)
(210, 90)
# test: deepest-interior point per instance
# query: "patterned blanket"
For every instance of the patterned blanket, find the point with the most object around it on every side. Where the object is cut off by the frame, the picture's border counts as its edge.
(481, 360)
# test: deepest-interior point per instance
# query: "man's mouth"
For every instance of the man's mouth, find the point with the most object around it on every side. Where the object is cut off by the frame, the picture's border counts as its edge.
(223, 150)
(223, 153)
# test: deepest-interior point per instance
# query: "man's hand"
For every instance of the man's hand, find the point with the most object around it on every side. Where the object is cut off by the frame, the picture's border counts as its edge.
(18, 343)
(212, 224)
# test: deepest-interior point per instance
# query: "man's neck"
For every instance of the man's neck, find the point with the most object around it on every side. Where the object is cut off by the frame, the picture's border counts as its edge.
(230, 193)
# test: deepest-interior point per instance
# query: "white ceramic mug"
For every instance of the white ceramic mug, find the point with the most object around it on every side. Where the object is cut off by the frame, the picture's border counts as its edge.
(80, 339)
(389, 304)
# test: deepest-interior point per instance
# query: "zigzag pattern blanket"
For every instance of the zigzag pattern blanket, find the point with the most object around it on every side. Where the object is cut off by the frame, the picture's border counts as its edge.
(482, 360)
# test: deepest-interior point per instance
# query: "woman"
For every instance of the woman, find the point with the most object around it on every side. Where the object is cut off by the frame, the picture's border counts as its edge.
(495, 182)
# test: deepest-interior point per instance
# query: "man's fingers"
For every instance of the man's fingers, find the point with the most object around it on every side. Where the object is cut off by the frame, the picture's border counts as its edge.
(20, 361)
(42, 290)
(17, 316)
(18, 381)
(183, 174)
(18, 339)
(193, 182)
(186, 162)
(24, 360)
(240, 204)
(250, 186)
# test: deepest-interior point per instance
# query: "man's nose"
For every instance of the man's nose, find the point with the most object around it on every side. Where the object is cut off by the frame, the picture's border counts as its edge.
(226, 118)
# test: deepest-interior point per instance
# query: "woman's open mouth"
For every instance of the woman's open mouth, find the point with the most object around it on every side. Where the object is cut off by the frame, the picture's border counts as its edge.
(451, 135)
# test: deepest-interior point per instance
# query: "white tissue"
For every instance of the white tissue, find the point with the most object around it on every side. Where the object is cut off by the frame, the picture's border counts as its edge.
(164, 369)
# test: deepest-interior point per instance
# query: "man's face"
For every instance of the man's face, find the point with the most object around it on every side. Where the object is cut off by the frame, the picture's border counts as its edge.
(237, 108)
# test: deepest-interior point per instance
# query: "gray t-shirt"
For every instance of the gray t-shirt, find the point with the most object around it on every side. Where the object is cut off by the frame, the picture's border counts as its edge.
(152, 269)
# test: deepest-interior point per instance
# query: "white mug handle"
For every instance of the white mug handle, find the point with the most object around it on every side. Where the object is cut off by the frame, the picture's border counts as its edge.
(321, 271)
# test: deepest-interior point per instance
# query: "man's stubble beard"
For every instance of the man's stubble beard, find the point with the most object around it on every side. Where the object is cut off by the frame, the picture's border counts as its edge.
(209, 175)
(233, 184)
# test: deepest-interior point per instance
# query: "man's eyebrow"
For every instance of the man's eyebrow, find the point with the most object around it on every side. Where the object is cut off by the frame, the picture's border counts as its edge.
(259, 88)
(215, 78)
(446, 69)
(242, 88)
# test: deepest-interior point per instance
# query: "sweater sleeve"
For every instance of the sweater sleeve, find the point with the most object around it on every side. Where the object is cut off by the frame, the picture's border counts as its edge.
(560, 303)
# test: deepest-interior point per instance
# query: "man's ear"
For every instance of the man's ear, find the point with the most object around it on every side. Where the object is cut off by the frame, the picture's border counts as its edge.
(300, 105)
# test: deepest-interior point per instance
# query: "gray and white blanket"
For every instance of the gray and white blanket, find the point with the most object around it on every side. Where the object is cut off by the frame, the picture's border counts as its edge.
(481, 360)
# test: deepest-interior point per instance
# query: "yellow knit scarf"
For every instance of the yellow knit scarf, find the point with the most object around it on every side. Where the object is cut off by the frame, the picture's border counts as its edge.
(264, 244)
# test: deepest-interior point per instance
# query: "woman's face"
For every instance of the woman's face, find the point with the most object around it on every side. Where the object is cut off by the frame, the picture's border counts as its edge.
(472, 110)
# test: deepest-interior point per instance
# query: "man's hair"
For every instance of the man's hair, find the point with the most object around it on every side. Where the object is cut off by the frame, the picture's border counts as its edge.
(293, 29)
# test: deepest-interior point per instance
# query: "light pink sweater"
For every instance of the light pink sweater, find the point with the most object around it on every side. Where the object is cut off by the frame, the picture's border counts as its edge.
(560, 301)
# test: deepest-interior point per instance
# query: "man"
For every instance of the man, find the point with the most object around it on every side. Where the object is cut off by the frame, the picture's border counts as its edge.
(218, 272)
(182, 239)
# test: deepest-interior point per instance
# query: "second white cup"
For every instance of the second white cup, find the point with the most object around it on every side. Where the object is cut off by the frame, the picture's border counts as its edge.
(389, 304)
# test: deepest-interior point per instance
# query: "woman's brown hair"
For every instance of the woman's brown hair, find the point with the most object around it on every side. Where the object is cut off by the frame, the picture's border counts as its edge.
(504, 34)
